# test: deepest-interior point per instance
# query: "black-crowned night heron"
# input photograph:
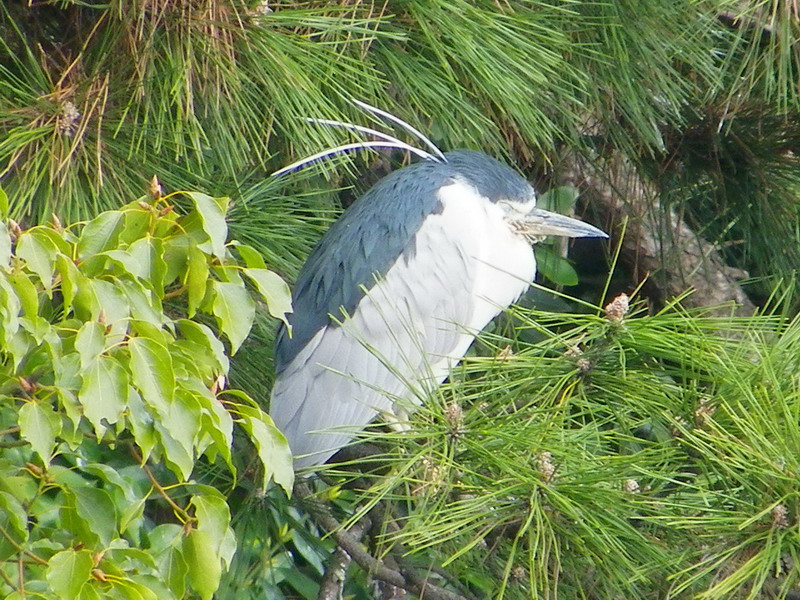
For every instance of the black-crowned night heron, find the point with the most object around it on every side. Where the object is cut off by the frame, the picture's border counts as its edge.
(395, 292)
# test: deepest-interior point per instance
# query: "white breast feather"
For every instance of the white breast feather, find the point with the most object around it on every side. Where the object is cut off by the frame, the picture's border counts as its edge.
(412, 327)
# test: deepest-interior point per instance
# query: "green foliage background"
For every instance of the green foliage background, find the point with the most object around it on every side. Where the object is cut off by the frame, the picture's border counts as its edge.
(699, 98)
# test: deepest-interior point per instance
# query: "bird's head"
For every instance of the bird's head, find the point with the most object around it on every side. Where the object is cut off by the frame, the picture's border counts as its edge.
(503, 186)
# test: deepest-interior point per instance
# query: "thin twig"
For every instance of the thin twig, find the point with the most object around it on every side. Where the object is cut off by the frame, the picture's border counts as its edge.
(20, 549)
(180, 512)
(13, 444)
(408, 579)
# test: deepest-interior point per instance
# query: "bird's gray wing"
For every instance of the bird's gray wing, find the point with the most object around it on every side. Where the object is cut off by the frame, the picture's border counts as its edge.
(394, 346)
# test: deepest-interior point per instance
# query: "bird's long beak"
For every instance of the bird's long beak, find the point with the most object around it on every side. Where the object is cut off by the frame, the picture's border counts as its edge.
(540, 223)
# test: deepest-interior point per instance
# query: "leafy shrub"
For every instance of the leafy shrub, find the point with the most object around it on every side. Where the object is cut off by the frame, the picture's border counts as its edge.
(112, 386)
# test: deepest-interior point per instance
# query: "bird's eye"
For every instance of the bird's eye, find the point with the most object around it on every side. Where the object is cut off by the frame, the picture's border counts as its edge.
(516, 208)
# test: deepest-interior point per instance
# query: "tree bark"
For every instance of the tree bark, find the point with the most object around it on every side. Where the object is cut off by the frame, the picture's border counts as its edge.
(657, 243)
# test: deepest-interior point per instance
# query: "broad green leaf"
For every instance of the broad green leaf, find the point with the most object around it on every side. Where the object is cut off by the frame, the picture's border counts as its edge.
(15, 516)
(143, 303)
(149, 255)
(5, 246)
(274, 290)
(251, 257)
(147, 330)
(90, 342)
(126, 262)
(176, 255)
(141, 587)
(70, 279)
(10, 308)
(141, 422)
(216, 422)
(137, 223)
(273, 449)
(174, 570)
(67, 371)
(68, 571)
(177, 457)
(104, 392)
(183, 420)
(196, 278)
(86, 305)
(38, 328)
(554, 267)
(39, 425)
(559, 199)
(214, 517)
(89, 592)
(202, 335)
(115, 310)
(61, 241)
(74, 411)
(203, 563)
(235, 311)
(212, 217)
(26, 292)
(152, 373)
(95, 507)
(39, 254)
(18, 345)
(310, 552)
(166, 536)
(101, 234)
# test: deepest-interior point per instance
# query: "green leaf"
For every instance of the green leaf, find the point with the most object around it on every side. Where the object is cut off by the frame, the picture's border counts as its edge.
(273, 449)
(95, 507)
(39, 425)
(70, 279)
(104, 392)
(554, 267)
(196, 278)
(68, 571)
(144, 304)
(101, 234)
(152, 373)
(203, 563)
(235, 311)
(177, 457)
(14, 515)
(559, 199)
(212, 216)
(274, 290)
(148, 253)
(176, 255)
(74, 411)
(114, 309)
(137, 223)
(39, 254)
(214, 517)
(10, 308)
(202, 335)
(5, 246)
(216, 422)
(183, 420)
(141, 422)
(26, 292)
(174, 569)
(86, 305)
(126, 262)
(251, 257)
(90, 342)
